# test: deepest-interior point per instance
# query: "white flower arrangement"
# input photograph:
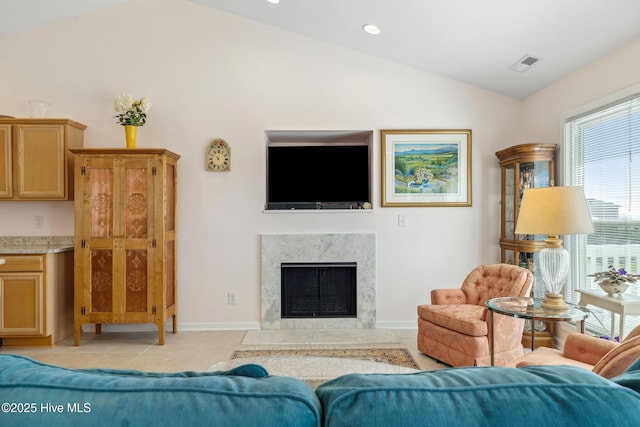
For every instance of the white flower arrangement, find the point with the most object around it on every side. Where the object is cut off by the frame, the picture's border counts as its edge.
(130, 111)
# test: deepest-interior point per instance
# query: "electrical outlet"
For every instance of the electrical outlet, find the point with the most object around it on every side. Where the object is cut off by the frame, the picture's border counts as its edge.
(232, 298)
(402, 220)
(38, 221)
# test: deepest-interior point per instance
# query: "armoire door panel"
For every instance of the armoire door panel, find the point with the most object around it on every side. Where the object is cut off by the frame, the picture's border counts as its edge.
(136, 281)
(136, 200)
(102, 280)
(101, 203)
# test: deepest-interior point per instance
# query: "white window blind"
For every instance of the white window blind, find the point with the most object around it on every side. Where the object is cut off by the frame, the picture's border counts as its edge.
(603, 156)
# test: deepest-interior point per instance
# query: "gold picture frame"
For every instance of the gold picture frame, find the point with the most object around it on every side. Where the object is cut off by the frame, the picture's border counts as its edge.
(424, 168)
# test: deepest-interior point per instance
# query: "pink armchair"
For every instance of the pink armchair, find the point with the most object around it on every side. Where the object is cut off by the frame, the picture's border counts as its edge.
(454, 328)
(606, 358)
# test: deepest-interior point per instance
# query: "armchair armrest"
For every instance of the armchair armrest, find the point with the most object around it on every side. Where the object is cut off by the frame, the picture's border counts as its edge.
(585, 348)
(448, 296)
(619, 359)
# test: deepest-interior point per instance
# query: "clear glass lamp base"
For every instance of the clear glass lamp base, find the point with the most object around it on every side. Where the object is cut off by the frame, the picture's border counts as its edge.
(554, 268)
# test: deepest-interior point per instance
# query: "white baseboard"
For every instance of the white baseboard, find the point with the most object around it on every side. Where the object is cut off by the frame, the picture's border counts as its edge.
(231, 326)
(397, 325)
(144, 327)
(219, 326)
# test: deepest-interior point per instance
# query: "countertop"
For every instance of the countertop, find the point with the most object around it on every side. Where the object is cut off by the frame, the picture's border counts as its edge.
(10, 245)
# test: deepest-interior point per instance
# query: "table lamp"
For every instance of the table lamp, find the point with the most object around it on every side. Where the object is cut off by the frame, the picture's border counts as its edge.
(554, 211)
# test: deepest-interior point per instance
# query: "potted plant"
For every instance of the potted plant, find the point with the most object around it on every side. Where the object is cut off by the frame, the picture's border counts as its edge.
(614, 281)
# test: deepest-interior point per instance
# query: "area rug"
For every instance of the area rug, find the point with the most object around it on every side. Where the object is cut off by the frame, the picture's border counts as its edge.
(392, 356)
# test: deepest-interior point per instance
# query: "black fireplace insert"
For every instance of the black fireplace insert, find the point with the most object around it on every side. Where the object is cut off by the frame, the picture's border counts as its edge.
(316, 290)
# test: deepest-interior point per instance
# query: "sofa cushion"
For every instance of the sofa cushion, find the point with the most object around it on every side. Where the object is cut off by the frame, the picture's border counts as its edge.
(487, 396)
(58, 396)
(468, 319)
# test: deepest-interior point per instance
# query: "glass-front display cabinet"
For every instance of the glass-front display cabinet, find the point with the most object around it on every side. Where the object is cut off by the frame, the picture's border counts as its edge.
(522, 167)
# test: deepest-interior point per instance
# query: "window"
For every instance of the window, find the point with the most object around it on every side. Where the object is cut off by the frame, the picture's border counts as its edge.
(603, 156)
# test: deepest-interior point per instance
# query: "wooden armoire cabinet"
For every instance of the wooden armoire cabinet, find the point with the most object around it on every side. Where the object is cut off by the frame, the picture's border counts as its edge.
(125, 238)
(522, 167)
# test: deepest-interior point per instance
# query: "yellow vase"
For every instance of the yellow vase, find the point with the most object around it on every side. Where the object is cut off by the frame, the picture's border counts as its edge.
(130, 133)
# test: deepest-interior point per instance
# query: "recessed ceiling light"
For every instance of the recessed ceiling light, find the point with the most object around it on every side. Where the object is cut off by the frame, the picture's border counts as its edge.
(274, 1)
(371, 29)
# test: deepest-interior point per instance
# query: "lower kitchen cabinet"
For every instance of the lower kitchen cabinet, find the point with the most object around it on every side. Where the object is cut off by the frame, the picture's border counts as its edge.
(36, 298)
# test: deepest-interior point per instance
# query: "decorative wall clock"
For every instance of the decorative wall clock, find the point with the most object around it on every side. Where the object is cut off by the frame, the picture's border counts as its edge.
(218, 156)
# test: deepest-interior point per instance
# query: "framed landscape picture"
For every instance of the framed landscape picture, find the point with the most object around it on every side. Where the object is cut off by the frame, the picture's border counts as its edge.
(426, 168)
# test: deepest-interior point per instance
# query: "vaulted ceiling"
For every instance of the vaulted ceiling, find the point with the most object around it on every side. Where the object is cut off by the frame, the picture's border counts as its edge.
(473, 41)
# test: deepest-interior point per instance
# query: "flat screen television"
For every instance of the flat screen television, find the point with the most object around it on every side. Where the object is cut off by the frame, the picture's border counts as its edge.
(321, 176)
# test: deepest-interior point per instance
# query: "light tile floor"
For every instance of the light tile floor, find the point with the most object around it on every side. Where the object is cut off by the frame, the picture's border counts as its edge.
(200, 350)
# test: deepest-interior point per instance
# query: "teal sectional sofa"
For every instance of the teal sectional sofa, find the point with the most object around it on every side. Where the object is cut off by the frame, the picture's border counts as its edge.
(36, 394)
(33, 394)
(536, 396)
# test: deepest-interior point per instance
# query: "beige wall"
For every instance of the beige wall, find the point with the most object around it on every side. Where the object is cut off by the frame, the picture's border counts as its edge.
(605, 80)
(211, 74)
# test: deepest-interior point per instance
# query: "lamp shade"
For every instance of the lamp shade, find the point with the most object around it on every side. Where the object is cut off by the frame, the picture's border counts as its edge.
(554, 211)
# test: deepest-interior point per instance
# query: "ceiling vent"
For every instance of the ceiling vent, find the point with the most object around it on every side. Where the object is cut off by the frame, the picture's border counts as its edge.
(524, 63)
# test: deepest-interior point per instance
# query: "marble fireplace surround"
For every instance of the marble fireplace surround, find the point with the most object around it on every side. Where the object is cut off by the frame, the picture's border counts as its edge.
(359, 248)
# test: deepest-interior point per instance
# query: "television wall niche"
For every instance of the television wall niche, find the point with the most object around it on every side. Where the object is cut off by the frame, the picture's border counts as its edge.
(313, 170)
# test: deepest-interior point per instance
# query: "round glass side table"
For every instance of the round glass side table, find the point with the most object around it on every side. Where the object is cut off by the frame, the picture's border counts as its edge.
(529, 308)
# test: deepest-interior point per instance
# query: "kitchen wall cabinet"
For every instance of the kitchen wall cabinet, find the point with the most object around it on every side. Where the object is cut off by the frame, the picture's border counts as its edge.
(36, 298)
(35, 159)
(125, 238)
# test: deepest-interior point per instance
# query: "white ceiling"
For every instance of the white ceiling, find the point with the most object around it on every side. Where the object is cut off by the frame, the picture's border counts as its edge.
(22, 15)
(473, 41)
